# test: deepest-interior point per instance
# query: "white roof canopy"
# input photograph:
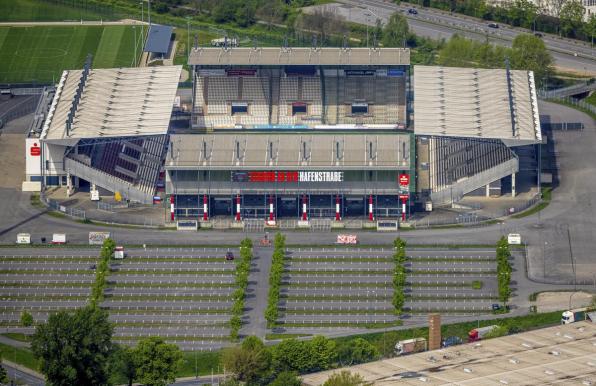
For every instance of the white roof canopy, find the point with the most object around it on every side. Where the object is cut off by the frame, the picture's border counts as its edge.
(115, 102)
(478, 103)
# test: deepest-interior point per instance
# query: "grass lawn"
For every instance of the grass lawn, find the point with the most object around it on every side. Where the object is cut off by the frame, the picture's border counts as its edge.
(20, 356)
(41, 53)
(40, 10)
(591, 99)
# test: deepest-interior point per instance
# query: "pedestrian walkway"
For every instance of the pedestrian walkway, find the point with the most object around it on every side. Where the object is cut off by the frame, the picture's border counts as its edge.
(257, 293)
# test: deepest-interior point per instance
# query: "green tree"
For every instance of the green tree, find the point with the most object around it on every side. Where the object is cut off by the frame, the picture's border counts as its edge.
(458, 52)
(248, 362)
(26, 319)
(571, 17)
(345, 378)
(357, 351)
(396, 31)
(157, 362)
(522, 13)
(323, 352)
(286, 378)
(74, 348)
(292, 355)
(590, 28)
(123, 363)
(530, 53)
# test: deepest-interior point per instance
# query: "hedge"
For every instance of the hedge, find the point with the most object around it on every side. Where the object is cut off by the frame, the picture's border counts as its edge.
(275, 276)
(503, 269)
(399, 275)
(242, 272)
(102, 272)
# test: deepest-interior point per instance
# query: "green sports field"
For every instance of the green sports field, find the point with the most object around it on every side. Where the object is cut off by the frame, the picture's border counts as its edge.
(40, 54)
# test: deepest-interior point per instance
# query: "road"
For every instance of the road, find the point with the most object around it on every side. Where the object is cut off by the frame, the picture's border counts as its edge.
(568, 54)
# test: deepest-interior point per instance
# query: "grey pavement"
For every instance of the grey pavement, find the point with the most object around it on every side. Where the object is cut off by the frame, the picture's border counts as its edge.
(22, 376)
(257, 293)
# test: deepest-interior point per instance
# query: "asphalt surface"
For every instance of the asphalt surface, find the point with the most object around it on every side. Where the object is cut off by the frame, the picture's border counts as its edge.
(432, 23)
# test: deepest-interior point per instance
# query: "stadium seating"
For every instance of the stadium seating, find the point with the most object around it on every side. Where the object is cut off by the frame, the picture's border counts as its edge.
(453, 159)
(136, 162)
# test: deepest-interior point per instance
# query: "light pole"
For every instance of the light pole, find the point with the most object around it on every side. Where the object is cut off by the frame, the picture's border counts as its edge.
(187, 36)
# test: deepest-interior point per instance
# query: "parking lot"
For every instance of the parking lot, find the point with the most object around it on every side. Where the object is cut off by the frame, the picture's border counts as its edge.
(43, 280)
(337, 289)
(452, 282)
(333, 289)
(183, 295)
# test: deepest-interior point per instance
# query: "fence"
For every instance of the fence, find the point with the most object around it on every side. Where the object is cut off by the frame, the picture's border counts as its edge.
(26, 106)
(72, 212)
(564, 126)
(470, 218)
(575, 102)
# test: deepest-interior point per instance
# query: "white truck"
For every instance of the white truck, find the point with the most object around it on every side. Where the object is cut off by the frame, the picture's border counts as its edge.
(572, 316)
(479, 333)
(410, 346)
(221, 42)
(58, 238)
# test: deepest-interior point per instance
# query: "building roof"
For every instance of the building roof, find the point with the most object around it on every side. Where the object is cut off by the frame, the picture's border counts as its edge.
(471, 102)
(564, 354)
(275, 56)
(158, 39)
(114, 103)
(285, 151)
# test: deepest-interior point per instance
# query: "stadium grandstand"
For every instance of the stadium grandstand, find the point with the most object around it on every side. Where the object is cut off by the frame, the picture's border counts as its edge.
(468, 123)
(105, 128)
(289, 132)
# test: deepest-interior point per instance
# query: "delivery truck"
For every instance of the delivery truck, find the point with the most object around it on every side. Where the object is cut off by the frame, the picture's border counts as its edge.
(479, 333)
(410, 346)
(572, 316)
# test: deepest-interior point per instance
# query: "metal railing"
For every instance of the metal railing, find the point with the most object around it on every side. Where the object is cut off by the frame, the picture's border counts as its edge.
(575, 102)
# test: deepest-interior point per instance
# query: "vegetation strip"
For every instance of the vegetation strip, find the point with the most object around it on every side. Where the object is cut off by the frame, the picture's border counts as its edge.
(399, 275)
(275, 279)
(503, 269)
(242, 272)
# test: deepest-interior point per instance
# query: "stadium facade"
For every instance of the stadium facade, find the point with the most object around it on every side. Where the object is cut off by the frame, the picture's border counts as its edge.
(289, 133)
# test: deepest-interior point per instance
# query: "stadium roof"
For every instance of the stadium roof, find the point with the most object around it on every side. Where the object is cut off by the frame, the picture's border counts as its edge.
(286, 151)
(274, 56)
(115, 102)
(158, 39)
(478, 103)
(563, 355)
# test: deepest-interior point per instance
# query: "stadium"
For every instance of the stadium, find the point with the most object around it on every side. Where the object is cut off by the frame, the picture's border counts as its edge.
(297, 133)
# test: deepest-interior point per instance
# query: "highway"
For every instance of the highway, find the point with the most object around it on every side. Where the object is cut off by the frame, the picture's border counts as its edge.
(568, 54)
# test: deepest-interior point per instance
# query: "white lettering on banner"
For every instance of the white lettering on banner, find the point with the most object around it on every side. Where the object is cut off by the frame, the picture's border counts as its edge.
(321, 176)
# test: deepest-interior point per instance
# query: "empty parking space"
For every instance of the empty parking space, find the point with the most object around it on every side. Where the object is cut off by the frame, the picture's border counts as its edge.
(335, 288)
(43, 280)
(183, 295)
(453, 282)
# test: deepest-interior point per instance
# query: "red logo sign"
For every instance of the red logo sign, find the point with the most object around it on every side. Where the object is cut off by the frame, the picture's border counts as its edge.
(404, 179)
(404, 197)
(35, 150)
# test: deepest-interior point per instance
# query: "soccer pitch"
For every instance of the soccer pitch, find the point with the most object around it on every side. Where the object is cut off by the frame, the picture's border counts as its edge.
(41, 53)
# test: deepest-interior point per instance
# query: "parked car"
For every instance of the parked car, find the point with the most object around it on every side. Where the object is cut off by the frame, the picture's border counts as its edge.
(413, 11)
(229, 255)
(493, 25)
